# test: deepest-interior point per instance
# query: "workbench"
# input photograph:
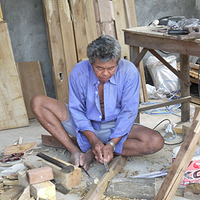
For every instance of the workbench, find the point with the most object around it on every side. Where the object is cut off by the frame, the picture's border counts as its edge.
(156, 38)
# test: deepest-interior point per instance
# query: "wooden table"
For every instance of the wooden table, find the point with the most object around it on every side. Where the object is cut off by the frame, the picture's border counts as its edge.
(155, 38)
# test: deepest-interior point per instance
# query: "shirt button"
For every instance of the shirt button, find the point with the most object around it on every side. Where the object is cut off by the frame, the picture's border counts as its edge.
(96, 92)
(100, 116)
(98, 82)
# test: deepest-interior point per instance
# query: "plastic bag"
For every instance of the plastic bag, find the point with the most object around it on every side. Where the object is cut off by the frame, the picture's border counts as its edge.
(162, 77)
(155, 94)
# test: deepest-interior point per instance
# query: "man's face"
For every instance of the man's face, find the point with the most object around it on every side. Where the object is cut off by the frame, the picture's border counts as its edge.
(104, 70)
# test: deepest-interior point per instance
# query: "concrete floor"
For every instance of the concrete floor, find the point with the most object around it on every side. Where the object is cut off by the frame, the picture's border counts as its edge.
(134, 165)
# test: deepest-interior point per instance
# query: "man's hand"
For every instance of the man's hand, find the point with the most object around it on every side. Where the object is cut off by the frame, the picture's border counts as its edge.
(97, 149)
(107, 153)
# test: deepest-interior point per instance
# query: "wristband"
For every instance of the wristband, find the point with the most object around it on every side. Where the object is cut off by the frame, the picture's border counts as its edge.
(112, 144)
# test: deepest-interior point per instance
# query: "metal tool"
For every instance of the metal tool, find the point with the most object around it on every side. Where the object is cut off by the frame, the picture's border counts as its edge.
(152, 174)
(65, 168)
(106, 166)
(85, 171)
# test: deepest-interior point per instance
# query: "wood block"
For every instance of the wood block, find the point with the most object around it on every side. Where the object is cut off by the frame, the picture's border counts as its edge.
(13, 112)
(49, 140)
(39, 175)
(13, 193)
(22, 178)
(132, 188)
(32, 82)
(44, 190)
(67, 179)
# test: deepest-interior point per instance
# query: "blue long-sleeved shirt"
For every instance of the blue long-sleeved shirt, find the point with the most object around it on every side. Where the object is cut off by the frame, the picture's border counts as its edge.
(121, 100)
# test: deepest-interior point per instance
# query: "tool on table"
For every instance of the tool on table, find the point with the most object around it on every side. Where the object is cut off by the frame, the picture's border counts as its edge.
(65, 168)
(60, 187)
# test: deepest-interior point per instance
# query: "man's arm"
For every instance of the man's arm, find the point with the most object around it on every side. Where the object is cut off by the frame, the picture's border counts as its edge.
(129, 109)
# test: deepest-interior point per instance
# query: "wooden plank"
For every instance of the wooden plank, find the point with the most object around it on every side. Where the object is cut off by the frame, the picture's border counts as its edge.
(77, 7)
(20, 148)
(32, 82)
(97, 191)
(56, 49)
(104, 11)
(185, 88)
(90, 23)
(120, 24)
(1, 13)
(67, 36)
(13, 113)
(107, 28)
(49, 140)
(180, 164)
(130, 13)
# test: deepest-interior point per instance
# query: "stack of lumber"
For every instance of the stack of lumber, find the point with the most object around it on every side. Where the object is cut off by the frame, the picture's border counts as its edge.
(194, 72)
(72, 25)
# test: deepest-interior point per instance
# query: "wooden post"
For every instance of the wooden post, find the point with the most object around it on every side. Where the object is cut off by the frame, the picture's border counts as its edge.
(185, 89)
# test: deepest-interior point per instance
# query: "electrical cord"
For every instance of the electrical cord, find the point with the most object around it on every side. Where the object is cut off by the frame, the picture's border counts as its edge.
(168, 129)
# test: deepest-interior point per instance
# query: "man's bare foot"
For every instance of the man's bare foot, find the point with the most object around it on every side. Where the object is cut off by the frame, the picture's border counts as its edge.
(82, 159)
(75, 158)
(86, 159)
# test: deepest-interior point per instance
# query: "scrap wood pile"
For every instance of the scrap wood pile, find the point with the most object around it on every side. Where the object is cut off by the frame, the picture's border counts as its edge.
(194, 72)
(20, 179)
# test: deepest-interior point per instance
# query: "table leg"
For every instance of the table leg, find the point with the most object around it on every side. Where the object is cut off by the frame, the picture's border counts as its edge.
(134, 52)
(185, 90)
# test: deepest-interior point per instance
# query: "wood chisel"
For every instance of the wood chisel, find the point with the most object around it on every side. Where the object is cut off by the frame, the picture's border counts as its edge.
(106, 166)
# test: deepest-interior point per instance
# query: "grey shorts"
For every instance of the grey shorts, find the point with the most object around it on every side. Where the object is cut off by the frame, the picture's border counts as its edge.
(101, 134)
